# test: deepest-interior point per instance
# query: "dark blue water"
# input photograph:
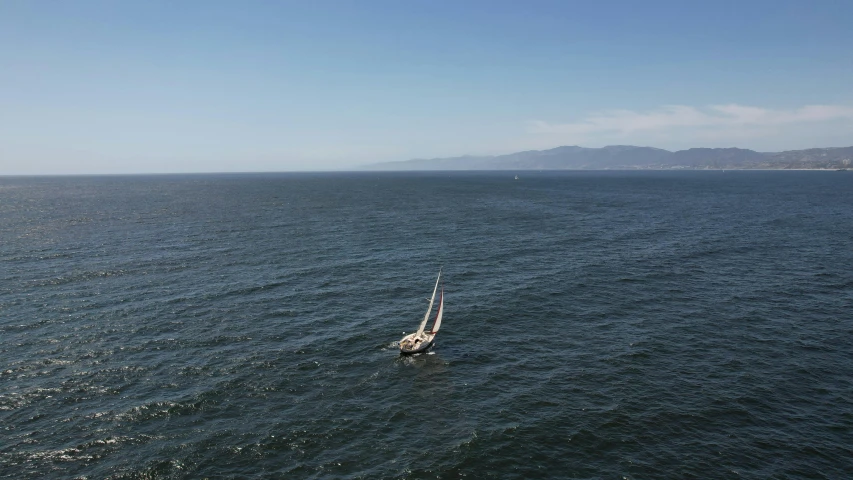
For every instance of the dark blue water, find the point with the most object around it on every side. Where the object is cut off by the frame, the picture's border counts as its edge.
(597, 325)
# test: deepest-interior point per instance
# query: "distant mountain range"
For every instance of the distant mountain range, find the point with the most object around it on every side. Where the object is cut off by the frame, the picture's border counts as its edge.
(627, 157)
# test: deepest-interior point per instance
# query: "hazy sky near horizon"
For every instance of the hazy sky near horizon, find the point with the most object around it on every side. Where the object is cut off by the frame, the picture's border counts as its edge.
(212, 86)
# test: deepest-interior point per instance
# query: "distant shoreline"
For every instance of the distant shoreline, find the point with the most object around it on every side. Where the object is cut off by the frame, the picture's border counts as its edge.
(363, 172)
(630, 157)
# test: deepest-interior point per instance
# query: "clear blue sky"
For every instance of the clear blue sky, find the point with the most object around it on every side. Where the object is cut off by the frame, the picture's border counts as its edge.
(124, 87)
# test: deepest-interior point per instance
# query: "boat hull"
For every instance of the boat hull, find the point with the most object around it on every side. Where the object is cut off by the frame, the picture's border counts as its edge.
(411, 344)
(420, 349)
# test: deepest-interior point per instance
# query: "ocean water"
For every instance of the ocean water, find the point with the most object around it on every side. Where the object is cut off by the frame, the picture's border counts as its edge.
(622, 325)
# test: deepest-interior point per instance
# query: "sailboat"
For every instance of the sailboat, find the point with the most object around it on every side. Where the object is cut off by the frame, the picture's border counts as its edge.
(421, 340)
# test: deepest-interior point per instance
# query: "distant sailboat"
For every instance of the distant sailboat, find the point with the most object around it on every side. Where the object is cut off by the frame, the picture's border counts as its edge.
(420, 341)
(516, 177)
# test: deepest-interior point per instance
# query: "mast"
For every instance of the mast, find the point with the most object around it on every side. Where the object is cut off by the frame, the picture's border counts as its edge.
(431, 300)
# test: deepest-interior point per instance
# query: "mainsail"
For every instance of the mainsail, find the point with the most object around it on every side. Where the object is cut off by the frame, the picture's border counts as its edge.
(437, 324)
(431, 300)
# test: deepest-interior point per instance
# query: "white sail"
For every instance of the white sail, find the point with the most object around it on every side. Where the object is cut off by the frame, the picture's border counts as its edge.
(437, 324)
(431, 300)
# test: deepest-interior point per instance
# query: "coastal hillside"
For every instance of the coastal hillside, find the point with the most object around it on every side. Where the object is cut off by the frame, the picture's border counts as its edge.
(630, 157)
